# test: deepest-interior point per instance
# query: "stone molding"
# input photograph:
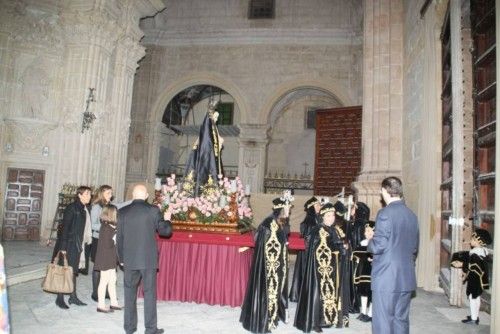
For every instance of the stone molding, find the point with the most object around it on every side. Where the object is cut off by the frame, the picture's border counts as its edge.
(253, 36)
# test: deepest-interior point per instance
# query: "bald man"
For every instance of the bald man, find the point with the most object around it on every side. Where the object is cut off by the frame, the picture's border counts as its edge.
(138, 253)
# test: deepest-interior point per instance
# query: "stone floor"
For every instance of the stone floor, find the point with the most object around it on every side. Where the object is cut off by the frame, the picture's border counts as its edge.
(34, 311)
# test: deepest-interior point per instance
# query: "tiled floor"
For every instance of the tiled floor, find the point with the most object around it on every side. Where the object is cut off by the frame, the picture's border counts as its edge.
(33, 311)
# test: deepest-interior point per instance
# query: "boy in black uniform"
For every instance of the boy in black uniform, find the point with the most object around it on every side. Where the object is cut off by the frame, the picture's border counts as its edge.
(475, 267)
(362, 269)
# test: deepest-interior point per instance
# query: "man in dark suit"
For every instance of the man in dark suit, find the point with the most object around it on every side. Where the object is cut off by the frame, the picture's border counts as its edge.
(394, 245)
(138, 252)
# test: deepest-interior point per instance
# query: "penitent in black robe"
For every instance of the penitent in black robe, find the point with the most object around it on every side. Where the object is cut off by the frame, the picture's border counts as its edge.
(204, 161)
(265, 299)
(320, 301)
(310, 221)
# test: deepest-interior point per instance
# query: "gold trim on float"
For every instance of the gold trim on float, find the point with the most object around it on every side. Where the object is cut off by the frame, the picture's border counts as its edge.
(273, 253)
(326, 284)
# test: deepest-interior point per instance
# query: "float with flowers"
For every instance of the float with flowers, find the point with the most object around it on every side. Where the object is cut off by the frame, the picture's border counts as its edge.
(205, 200)
(222, 206)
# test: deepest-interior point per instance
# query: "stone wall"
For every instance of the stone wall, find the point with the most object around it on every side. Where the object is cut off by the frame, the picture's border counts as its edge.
(51, 53)
(422, 126)
(309, 44)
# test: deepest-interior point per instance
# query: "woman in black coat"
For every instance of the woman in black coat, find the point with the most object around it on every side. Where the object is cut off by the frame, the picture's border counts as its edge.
(71, 239)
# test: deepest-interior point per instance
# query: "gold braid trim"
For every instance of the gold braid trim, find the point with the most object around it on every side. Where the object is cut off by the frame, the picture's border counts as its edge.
(475, 268)
(272, 253)
(326, 284)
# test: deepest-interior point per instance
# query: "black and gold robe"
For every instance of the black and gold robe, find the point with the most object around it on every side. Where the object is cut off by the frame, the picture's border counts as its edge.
(265, 299)
(320, 301)
(204, 160)
(310, 221)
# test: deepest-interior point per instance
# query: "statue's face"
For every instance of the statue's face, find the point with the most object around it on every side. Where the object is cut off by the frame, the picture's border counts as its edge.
(215, 117)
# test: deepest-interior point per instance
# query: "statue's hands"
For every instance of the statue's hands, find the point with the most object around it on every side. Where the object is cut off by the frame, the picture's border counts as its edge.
(457, 264)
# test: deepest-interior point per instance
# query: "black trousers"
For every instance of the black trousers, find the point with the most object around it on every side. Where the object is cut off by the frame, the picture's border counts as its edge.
(131, 279)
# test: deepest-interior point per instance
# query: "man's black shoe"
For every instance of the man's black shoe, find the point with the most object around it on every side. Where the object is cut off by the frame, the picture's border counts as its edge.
(160, 331)
(94, 297)
(317, 329)
(367, 318)
(361, 316)
(469, 320)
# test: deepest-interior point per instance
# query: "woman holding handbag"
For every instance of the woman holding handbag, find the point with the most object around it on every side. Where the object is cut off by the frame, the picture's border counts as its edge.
(74, 235)
(106, 259)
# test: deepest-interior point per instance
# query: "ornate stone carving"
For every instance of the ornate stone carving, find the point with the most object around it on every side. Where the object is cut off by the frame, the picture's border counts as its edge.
(28, 134)
(35, 85)
(71, 119)
(30, 25)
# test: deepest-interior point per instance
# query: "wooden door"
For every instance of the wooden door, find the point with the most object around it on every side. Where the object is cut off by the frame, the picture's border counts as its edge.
(338, 150)
(23, 204)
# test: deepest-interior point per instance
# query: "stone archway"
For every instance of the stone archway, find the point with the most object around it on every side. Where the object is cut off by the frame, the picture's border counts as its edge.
(290, 122)
(199, 78)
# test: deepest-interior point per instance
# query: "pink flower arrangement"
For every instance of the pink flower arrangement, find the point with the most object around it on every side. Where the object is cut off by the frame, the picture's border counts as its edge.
(210, 208)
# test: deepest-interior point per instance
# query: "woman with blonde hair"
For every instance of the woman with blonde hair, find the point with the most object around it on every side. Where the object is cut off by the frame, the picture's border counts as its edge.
(107, 259)
(102, 198)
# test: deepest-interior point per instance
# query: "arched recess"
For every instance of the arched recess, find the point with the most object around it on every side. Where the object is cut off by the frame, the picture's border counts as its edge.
(194, 79)
(199, 78)
(289, 117)
(330, 87)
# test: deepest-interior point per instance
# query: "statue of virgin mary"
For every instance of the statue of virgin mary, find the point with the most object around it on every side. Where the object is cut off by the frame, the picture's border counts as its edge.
(204, 163)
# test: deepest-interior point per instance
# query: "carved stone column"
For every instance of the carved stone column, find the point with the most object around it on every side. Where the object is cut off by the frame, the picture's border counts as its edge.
(253, 142)
(382, 98)
(127, 53)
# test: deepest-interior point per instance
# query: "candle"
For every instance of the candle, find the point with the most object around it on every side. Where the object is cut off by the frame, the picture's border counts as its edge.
(233, 186)
(247, 189)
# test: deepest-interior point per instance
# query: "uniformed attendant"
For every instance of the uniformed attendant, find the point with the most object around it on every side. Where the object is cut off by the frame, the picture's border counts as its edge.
(475, 268)
(362, 269)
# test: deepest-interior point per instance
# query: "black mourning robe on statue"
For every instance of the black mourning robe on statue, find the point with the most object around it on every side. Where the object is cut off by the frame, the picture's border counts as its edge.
(204, 159)
(310, 221)
(265, 299)
(320, 301)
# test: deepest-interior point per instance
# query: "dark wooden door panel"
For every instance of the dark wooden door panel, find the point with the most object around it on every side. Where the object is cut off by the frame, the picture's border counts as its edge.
(338, 149)
(23, 204)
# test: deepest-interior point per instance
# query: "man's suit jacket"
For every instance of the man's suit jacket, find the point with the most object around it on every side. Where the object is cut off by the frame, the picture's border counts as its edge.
(135, 235)
(394, 247)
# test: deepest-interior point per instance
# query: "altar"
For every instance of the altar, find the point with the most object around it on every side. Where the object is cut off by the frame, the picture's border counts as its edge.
(207, 268)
